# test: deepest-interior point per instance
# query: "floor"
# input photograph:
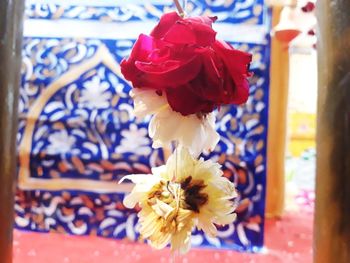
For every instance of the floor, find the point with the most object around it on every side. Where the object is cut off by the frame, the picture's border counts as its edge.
(287, 240)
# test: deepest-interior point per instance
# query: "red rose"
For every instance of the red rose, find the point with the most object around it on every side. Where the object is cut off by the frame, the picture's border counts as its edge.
(182, 60)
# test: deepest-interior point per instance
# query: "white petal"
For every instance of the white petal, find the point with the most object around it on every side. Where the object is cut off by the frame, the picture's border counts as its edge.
(162, 209)
(137, 178)
(207, 226)
(181, 163)
(166, 126)
(149, 225)
(162, 172)
(132, 199)
(147, 102)
(197, 134)
(161, 241)
(181, 242)
(143, 183)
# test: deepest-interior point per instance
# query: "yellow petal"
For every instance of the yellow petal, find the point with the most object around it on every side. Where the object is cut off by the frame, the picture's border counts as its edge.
(181, 242)
(149, 225)
(205, 223)
(162, 209)
(161, 240)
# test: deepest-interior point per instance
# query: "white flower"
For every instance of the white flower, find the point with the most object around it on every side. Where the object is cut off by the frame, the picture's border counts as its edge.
(183, 194)
(60, 142)
(134, 141)
(196, 133)
(95, 94)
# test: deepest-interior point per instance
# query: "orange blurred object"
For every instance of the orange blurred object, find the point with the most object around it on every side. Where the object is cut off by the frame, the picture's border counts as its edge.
(286, 30)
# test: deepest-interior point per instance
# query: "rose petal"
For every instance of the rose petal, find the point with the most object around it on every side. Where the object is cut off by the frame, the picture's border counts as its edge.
(192, 30)
(237, 63)
(185, 32)
(186, 102)
(140, 51)
(239, 90)
(209, 83)
(208, 20)
(156, 65)
(165, 23)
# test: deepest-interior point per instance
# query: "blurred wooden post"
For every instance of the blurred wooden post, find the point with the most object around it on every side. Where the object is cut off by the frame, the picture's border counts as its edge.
(11, 15)
(332, 217)
(277, 124)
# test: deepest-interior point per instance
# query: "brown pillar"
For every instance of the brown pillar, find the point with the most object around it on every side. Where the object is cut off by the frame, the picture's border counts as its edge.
(332, 217)
(11, 14)
(276, 142)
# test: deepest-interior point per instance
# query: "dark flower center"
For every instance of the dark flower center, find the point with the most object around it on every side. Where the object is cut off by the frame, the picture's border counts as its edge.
(194, 198)
(191, 196)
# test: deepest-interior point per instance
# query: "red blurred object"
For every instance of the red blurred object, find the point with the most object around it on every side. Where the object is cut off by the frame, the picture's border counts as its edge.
(311, 32)
(309, 7)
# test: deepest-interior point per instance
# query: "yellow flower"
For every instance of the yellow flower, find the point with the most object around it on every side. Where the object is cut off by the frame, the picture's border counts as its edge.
(197, 133)
(183, 194)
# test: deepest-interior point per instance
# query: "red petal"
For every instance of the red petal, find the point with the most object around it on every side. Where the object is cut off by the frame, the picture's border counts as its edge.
(186, 32)
(202, 19)
(155, 64)
(237, 63)
(240, 93)
(186, 102)
(237, 91)
(140, 52)
(165, 23)
(180, 33)
(170, 73)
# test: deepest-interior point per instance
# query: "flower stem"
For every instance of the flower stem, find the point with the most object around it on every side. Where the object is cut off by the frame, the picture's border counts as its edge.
(179, 8)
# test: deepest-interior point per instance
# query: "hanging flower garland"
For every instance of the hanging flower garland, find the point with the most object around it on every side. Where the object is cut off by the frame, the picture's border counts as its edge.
(180, 74)
(172, 206)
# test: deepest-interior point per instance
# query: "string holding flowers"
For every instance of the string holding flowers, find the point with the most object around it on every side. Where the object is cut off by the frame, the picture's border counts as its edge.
(180, 8)
(180, 75)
